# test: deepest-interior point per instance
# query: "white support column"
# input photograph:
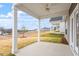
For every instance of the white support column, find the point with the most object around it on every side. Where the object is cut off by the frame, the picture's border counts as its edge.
(50, 28)
(14, 32)
(38, 31)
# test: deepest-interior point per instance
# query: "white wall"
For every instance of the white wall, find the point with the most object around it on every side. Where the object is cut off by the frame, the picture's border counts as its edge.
(67, 26)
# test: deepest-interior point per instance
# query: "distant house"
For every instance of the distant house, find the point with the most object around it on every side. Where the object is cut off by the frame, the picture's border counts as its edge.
(57, 24)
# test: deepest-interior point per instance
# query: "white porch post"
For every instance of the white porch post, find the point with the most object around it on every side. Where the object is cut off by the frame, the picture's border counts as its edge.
(14, 32)
(38, 31)
(50, 27)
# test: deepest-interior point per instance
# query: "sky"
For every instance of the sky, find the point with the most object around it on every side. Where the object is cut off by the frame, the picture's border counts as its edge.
(24, 19)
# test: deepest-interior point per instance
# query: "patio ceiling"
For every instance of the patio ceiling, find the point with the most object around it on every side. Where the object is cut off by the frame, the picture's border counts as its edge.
(44, 10)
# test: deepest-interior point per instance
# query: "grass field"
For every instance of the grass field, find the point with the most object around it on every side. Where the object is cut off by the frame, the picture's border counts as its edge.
(51, 37)
(31, 37)
(5, 45)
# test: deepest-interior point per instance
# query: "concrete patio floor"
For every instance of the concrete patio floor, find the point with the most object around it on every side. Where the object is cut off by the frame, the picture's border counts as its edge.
(45, 49)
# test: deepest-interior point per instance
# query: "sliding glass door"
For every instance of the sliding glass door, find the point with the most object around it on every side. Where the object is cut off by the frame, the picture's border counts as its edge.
(74, 31)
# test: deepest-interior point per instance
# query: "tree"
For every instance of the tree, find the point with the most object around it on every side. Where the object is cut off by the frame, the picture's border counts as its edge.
(24, 30)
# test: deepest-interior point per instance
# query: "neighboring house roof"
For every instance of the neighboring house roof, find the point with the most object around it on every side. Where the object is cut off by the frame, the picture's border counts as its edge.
(60, 18)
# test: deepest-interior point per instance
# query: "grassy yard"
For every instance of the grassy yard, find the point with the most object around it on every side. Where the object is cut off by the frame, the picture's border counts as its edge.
(5, 44)
(51, 37)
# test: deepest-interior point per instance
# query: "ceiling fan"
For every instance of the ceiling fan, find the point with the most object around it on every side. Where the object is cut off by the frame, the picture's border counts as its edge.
(47, 7)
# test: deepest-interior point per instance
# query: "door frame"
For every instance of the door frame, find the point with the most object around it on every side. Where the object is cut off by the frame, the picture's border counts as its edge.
(71, 32)
(75, 41)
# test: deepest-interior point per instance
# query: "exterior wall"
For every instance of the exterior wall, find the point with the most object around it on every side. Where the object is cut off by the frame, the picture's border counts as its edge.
(61, 26)
(67, 29)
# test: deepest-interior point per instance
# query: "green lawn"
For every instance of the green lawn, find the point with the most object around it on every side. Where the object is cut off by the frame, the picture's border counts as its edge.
(51, 37)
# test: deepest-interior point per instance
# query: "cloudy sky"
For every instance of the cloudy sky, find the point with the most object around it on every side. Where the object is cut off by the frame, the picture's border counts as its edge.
(6, 17)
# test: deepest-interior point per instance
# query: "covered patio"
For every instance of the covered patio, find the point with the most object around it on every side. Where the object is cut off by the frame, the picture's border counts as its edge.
(41, 11)
(45, 49)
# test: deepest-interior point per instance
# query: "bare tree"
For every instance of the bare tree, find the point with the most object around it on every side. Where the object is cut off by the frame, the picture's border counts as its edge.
(24, 30)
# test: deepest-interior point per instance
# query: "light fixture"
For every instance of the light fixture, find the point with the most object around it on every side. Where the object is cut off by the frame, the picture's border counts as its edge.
(47, 8)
